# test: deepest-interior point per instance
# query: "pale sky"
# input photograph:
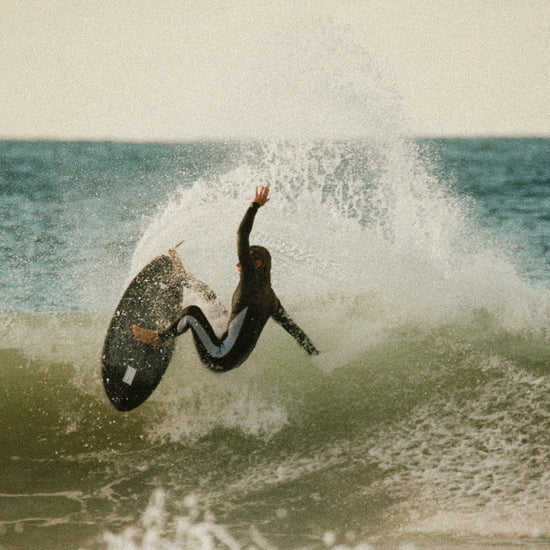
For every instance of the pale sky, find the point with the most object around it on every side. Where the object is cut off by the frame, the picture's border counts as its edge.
(181, 70)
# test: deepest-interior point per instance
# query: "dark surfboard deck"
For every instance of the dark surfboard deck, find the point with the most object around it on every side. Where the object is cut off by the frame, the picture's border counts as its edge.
(132, 370)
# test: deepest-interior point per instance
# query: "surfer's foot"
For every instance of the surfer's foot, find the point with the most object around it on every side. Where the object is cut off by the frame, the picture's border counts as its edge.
(176, 262)
(147, 336)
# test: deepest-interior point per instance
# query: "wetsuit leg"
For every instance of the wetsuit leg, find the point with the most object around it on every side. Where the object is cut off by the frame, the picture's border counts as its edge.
(193, 318)
(182, 324)
(218, 354)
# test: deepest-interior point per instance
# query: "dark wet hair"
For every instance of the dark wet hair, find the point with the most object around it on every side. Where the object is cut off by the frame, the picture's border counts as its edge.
(262, 254)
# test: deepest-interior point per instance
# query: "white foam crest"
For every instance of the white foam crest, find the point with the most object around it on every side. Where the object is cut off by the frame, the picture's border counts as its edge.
(362, 226)
(196, 413)
(63, 338)
(195, 401)
(364, 239)
(196, 528)
(475, 467)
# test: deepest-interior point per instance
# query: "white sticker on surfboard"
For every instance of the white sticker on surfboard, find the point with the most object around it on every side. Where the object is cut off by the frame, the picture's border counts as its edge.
(129, 375)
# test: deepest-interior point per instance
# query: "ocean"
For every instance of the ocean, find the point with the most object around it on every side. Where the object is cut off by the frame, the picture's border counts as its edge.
(419, 267)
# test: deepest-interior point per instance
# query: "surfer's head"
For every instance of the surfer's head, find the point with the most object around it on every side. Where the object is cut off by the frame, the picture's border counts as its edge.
(262, 262)
(262, 258)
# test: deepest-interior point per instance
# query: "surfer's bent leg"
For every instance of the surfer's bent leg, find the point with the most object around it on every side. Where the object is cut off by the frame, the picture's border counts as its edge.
(191, 317)
(218, 354)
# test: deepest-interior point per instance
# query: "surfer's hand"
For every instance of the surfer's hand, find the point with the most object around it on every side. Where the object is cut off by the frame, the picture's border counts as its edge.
(176, 262)
(262, 195)
(311, 349)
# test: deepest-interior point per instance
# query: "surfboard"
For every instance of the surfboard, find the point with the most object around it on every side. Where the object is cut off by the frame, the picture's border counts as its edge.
(132, 370)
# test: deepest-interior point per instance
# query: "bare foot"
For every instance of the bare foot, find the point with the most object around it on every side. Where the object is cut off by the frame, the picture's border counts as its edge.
(176, 262)
(147, 336)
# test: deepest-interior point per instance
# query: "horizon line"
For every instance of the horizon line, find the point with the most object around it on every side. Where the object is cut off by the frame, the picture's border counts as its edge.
(251, 139)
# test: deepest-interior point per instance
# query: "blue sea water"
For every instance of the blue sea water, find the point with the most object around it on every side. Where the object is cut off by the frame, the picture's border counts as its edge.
(420, 268)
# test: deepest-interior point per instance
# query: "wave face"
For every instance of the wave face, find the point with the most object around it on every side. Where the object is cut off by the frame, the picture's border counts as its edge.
(424, 419)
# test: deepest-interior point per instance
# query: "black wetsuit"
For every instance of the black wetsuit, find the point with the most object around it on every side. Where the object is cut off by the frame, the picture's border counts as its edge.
(254, 302)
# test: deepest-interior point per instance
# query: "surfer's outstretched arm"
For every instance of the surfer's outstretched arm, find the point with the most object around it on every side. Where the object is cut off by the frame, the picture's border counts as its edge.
(246, 264)
(282, 317)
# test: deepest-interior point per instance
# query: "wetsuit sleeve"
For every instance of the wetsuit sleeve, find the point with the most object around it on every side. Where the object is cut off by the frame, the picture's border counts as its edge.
(282, 317)
(243, 242)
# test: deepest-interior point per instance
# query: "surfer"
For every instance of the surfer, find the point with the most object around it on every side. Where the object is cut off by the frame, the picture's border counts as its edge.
(254, 302)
